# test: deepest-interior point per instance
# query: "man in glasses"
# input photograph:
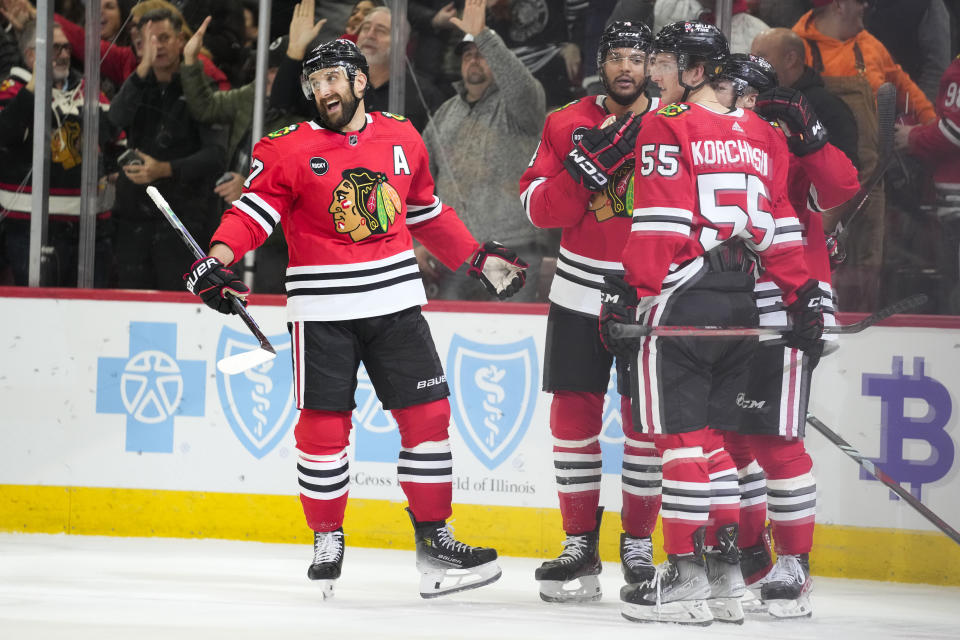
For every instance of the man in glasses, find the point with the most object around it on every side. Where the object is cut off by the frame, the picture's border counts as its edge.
(16, 147)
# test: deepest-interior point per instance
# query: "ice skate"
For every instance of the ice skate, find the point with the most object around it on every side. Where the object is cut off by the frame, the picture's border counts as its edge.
(786, 591)
(572, 576)
(678, 593)
(726, 580)
(755, 565)
(447, 565)
(327, 559)
(636, 559)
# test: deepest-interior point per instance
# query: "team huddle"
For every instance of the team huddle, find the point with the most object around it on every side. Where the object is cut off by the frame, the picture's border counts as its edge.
(697, 208)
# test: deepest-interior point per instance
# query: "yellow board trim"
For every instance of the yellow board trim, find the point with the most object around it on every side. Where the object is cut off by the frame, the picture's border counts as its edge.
(850, 552)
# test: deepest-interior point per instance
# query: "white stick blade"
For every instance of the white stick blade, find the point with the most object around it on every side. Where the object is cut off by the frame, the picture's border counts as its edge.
(240, 362)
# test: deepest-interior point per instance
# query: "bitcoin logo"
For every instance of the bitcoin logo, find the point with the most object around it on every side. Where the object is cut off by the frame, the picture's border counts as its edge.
(896, 426)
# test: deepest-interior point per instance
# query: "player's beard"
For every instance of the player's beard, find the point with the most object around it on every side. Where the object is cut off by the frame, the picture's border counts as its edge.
(627, 99)
(348, 107)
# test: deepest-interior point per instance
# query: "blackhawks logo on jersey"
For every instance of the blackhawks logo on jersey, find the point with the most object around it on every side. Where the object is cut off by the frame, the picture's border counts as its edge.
(617, 199)
(364, 204)
(673, 110)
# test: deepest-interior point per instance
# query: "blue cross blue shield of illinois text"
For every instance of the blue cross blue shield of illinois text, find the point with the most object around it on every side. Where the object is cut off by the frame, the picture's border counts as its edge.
(258, 402)
(494, 393)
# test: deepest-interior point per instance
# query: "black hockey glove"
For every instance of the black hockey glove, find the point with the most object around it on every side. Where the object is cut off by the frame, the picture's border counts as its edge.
(618, 304)
(806, 316)
(601, 151)
(805, 133)
(214, 283)
(500, 270)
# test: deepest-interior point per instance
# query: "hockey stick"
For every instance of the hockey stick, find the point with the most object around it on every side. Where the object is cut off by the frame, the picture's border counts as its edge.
(886, 116)
(878, 473)
(626, 331)
(241, 361)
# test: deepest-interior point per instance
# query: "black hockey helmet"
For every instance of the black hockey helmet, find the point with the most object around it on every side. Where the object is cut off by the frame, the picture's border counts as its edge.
(694, 42)
(624, 35)
(749, 71)
(336, 53)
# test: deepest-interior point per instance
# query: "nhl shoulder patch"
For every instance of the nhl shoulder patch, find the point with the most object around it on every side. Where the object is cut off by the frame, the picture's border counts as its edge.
(673, 110)
(279, 133)
(395, 116)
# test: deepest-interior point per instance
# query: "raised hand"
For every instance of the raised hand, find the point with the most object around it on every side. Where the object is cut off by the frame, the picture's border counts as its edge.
(443, 18)
(195, 43)
(302, 29)
(474, 17)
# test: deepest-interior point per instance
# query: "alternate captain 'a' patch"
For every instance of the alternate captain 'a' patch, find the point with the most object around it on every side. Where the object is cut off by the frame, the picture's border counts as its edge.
(673, 110)
(279, 133)
(364, 204)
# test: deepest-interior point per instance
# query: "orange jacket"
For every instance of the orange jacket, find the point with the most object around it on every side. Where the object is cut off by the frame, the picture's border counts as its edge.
(839, 60)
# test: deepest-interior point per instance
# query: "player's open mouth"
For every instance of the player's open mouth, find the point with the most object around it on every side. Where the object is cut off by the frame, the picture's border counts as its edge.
(332, 107)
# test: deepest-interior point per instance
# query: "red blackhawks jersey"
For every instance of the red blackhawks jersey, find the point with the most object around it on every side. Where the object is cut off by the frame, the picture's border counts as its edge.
(594, 225)
(939, 142)
(708, 177)
(348, 204)
(818, 181)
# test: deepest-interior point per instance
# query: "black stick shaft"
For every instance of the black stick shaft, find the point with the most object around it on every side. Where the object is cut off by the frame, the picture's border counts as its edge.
(879, 474)
(175, 222)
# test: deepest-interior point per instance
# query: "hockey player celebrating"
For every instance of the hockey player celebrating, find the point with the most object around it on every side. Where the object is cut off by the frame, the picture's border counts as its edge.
(775, 403)
(713, 195)
(349, 190)
(581, 181)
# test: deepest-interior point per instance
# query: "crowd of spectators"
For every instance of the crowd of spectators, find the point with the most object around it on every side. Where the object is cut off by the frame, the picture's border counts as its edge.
(177, 84)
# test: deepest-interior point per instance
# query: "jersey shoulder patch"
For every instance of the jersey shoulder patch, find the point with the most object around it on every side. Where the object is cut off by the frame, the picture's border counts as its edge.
(569, 104)
(279, 133)
(394, 116)
(673, 110)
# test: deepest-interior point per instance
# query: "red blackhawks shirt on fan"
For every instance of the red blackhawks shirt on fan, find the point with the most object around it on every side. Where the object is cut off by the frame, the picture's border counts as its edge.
(332, 191)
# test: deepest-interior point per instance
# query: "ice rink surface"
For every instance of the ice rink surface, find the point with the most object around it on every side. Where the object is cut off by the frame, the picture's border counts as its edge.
(78, 587)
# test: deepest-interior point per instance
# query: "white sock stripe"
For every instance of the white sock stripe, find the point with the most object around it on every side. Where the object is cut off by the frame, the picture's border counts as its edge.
(641, 475)
(579, 487)
(425, 464)
(430, 446)
(644, 492)
(775, 500)
(670, 514)
(574, 444)
(308, 460)
(747, 487)
(331, 495)
(569, 456)
(749, 502)
(572, 473)
(681, 485)
(639, 444)
(693, 453)
(724, 475)
(735, 500)
(787, 516)
(692, 501)
(792, 484)
(643, 460)
(418, 479)
(751, 469)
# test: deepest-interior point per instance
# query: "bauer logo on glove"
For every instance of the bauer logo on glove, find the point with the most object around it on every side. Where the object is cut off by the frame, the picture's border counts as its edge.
(500, 270)
(215, 284)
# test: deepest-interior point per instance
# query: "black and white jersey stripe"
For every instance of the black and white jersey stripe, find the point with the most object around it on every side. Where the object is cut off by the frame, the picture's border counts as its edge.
(950, 131)
(341, 291)
(258, 209)
(419, 214)
(773, 313)
(788, 230)
(662, 220)
(576, 285)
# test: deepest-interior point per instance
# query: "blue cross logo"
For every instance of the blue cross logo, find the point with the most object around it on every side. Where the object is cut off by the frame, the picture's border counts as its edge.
(151, 387)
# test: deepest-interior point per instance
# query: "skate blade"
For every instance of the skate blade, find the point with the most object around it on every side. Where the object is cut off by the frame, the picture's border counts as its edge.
(751, 603)
(326, 588)
(432, 581)
(726, 610)
(586, 589)
(686, 612)
(785, 609)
